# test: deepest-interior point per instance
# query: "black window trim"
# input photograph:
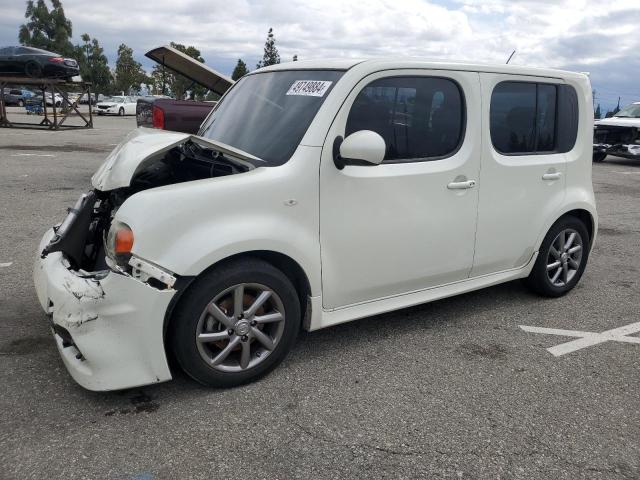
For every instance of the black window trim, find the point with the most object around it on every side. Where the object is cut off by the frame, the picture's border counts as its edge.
(555, 127)
(463, 130)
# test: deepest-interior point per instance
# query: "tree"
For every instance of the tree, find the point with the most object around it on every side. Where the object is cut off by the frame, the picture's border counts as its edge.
(271, 55)
(93, 64)
(47, 28)
(240, 70)
(598, 112)
(164, 79)
(128, 73)
(617, 109)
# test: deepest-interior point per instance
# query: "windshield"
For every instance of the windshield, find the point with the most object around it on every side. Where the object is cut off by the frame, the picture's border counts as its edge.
(267, 114)
(114, 99)
(630, 111)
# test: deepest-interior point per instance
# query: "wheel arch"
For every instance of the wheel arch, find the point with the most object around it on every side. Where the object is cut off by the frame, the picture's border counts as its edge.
(287, 265)
(585, 217)
(586, 213)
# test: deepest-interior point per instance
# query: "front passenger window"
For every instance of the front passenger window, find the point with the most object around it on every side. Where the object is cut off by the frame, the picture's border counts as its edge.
(419, 118)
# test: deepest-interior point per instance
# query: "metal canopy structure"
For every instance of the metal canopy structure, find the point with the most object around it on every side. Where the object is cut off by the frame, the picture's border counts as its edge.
(56, 120)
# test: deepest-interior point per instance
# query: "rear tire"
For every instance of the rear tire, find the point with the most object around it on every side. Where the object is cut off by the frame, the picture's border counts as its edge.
(33, 70)
(20, 103)
(599, 157)
(206, 324)
(562, 258)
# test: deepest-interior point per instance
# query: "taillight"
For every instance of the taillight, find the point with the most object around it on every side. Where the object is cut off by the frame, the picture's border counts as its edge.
(56, 59)
(157, 116)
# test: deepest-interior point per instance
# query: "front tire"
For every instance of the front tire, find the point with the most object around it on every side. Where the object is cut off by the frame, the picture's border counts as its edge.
(562, 258)
(235, 323)
(121, 112)
(599, 157)
(33, 70)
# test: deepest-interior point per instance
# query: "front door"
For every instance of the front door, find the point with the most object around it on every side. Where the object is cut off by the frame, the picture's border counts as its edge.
(409, 223)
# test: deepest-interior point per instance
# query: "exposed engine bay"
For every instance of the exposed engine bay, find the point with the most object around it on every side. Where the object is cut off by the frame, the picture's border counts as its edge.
(82, 235)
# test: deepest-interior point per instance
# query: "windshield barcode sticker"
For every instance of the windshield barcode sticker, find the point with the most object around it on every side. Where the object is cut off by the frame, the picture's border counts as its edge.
(309, 88)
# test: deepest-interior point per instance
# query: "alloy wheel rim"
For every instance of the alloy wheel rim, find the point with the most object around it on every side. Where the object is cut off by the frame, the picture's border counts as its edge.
(564, 257)
(240, 327)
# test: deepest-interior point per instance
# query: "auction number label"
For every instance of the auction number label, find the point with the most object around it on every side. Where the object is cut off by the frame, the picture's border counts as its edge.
(309, 88)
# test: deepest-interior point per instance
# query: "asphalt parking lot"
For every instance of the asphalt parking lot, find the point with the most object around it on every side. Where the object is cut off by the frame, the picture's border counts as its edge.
(453, 389)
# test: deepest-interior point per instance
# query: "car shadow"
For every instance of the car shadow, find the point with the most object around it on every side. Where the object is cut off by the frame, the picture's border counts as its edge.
(626, 162)
(372, 331)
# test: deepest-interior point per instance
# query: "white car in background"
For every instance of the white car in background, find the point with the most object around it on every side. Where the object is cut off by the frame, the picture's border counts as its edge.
(618, 135)
(117, 105)
(57, 99)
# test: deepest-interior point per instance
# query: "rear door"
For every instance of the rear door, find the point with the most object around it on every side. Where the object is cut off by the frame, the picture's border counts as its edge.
(409, 223)
(523, 168)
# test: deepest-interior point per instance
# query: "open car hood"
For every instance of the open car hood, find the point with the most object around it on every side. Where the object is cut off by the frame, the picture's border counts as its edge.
(190, 68)
(147, 145)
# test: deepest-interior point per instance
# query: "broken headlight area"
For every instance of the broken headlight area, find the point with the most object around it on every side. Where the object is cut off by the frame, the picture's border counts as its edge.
(616, 135)
(90, 238)
(80, 236)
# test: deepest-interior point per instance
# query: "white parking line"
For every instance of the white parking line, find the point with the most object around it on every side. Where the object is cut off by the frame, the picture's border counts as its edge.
(6, 264)
(32, 155)
(628, 173)
(587, 339)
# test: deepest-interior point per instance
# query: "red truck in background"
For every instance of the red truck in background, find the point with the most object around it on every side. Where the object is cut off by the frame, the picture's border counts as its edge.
(180, 115)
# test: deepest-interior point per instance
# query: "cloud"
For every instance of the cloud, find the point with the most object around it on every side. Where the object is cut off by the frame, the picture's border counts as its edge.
(585, 35)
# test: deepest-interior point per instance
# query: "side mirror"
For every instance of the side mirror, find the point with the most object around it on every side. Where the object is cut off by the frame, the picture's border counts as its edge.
(364, 147)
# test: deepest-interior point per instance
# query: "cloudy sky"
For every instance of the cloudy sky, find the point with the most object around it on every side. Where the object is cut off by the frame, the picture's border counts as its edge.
(599, 37)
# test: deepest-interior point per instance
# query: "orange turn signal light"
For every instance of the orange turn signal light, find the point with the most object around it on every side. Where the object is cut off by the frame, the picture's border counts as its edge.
(124, 241)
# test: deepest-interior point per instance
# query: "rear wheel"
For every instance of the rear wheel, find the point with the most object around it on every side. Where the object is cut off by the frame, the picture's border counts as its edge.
(20, 103)
(599, 157)
(236, 323)
(33, 70)
(562, 258)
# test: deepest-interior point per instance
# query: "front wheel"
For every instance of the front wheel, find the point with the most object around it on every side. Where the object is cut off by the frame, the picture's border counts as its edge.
(562, 258)
(121, 112)
(236, 323)
(33, 70)
(599, 157)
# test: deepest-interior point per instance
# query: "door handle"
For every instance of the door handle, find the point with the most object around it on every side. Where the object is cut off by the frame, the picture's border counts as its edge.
(552, 176)
(461, 185)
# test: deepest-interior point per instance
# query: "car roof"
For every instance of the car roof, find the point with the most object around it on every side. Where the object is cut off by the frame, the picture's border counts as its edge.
(376, 64)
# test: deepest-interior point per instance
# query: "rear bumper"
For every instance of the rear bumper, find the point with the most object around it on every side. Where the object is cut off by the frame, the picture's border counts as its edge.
(114, 324)
(619, 150)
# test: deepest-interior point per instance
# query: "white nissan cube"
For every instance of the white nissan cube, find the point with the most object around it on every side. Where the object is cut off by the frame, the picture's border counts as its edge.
(316, 193)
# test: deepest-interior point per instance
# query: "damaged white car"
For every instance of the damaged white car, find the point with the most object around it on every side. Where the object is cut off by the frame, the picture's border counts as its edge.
(317, 193)
(618, 135)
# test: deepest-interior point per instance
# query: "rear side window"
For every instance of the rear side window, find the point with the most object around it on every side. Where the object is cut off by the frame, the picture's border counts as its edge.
(419, 118)
(530, 118)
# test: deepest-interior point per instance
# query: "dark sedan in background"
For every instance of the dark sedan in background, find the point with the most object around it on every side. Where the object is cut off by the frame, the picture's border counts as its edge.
(36, 63)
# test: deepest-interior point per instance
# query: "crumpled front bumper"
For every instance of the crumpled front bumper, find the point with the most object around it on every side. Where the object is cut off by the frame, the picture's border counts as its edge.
(109, 331)
(618, 150)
